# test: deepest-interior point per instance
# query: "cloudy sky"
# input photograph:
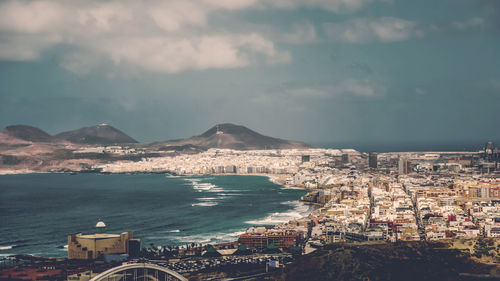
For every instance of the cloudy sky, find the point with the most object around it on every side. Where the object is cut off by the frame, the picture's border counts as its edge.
(321, 71)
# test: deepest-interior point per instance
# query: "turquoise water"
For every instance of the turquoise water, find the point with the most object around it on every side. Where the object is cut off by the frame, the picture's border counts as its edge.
(38, 211)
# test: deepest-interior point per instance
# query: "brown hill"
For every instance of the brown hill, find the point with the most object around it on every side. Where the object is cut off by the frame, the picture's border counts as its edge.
(233, 136)
(102, 134)
(27, 133)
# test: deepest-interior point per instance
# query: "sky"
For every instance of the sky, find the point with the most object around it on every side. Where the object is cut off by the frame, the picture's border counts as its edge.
(320, 71)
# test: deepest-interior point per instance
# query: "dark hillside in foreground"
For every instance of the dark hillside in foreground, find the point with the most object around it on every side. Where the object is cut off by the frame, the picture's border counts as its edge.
(417, 261)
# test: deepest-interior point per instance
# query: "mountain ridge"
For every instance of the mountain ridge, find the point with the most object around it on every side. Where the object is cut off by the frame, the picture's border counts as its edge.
(102, 134)
(225, 135)
(98, 134)
(27, 133)
(232, 136)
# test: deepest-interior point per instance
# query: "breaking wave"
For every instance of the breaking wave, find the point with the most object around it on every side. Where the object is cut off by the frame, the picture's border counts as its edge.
(219, 237)
(205, 204)
(300, 210)
(3, 248)
(203, 186)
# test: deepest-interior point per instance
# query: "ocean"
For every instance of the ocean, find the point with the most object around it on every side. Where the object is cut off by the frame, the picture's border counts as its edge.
(38, 211)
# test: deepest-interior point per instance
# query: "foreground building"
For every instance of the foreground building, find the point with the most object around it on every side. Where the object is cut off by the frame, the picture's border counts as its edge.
(260, 237)
(101, 244)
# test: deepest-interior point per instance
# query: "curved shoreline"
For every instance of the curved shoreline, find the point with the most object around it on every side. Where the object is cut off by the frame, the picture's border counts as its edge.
(277, 215)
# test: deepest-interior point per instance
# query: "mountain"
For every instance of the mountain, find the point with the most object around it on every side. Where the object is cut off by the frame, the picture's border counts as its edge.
(236, 137)
(226, 135)
(27, 133)
(102, 134)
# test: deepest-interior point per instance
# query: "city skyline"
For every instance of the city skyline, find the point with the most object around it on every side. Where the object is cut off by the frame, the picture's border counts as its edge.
(321, 72)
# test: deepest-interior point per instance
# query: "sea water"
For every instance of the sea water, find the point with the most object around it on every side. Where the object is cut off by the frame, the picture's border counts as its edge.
(38, 211)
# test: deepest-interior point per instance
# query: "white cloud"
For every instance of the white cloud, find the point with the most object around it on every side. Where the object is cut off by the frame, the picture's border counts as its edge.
(496, 84)
(361, 88)
(26, 47)
(469, 23)
(391, 29)
(107, 16)
(156, 36)
(420, 91)
(172, 55)
(79, 62)
(301, 33)
(31, 17)
(337, 6)
(364, 30)
(463, 25)
(171, 16)
(231, 4)
(301, 98)
(177, 35)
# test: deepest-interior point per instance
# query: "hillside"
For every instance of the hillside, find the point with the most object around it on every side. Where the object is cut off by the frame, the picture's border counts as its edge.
(27, 133)
(102, 134)
(386, 261)
(233, 136)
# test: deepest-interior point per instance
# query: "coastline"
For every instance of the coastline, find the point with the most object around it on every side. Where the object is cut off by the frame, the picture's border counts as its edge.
(21, 172)
(278, 179)
(291, 213)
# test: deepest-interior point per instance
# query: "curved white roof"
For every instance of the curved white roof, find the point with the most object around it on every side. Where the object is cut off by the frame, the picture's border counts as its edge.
(123, 267)
(100, 224)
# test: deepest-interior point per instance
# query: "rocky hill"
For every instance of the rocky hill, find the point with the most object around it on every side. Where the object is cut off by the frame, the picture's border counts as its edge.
(387, 261)
(102, 134)
(27, 133)
(233, 136)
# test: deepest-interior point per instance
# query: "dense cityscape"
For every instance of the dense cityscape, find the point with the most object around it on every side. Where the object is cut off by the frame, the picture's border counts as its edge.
(386, 196)
(355, 198)
(279, 140)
